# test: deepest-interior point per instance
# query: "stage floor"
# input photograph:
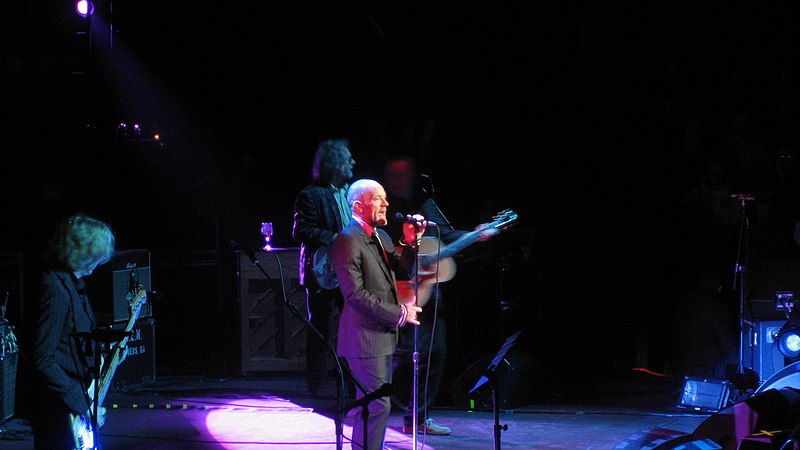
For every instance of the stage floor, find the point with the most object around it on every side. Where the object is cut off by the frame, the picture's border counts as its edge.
(277, 413)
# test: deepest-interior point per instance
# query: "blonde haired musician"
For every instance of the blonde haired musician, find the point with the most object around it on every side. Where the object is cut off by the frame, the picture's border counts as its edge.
(56, 326)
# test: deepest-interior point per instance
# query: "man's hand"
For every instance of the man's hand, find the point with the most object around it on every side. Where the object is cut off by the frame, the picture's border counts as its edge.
(412, 232)
(101, 416)
(413, 312)
(486, 232)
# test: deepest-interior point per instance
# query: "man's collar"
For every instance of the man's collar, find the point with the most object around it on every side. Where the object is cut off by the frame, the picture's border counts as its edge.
(367, 227)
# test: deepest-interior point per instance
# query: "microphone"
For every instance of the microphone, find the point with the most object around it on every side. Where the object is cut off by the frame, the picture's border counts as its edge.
(743, 196)
(400, 217)
(235, 246)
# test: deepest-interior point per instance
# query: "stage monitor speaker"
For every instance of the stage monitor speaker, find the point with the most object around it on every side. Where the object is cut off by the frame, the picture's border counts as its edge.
(789, 377)
(110, 284)
(762, 354)
(273, 339)
(683, 442)
(139, 366)
(773, 410)
(514, 383)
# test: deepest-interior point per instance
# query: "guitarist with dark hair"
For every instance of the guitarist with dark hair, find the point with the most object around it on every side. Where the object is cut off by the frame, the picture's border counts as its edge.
(406, 196)
(320, 212)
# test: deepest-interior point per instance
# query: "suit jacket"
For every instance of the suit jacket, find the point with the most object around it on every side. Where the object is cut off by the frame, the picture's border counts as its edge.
(316, 222)
(57, 358)
(368, 323)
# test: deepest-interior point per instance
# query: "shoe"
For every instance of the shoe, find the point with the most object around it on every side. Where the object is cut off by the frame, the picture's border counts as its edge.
(428, 427)
(324, 393)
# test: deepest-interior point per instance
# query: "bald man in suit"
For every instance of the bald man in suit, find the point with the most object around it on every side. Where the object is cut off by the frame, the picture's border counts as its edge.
(367, 265)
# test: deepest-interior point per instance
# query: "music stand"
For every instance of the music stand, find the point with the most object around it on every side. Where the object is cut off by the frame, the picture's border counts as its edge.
(490, 375)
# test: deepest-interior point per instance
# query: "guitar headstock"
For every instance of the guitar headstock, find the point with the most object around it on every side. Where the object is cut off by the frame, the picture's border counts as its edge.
(504, 219)
(135, 301)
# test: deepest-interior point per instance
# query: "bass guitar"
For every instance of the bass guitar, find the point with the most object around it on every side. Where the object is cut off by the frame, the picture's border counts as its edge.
(436, 263)
(81, 427)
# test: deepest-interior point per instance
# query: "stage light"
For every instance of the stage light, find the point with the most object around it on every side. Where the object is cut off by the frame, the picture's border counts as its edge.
(84, 8)
(789, 343)
(788, 338)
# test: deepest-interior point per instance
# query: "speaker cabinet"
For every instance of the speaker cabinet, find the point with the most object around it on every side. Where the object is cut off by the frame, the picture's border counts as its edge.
(514, 379)
(139, 366)
(111, 283)
(8, 382)
(762, 355)
(273, 339)
(769, 277)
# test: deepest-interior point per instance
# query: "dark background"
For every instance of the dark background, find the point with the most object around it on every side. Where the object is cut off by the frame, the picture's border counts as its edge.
(591, 120)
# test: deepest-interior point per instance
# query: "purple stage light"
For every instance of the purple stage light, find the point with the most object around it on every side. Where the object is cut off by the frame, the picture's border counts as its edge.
(84, 8)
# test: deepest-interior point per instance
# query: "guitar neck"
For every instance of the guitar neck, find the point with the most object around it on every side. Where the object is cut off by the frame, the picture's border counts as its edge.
(502, 220)
(116, 359)
(118, 353)
(451, 249)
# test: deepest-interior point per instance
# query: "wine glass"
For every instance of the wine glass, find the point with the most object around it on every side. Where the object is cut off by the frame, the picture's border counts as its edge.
(266, 231)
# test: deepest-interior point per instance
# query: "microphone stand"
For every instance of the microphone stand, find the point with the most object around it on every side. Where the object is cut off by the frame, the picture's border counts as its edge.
(415, 353)
(740, 272)
(342, 369)
(94, 420)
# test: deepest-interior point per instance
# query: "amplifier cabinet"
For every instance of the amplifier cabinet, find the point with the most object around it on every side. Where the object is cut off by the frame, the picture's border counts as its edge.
(762, 354)
(273, 338)
(8, 383)
(139, 366)
(110, 284)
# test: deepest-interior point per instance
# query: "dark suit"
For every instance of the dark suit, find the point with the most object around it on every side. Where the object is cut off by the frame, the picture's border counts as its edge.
(369, 321)
(316, 221)
(56, 359)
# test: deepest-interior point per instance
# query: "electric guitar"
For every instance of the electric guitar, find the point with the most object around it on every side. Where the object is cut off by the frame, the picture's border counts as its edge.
(323, 268)
(436, 263)
(81, 427)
